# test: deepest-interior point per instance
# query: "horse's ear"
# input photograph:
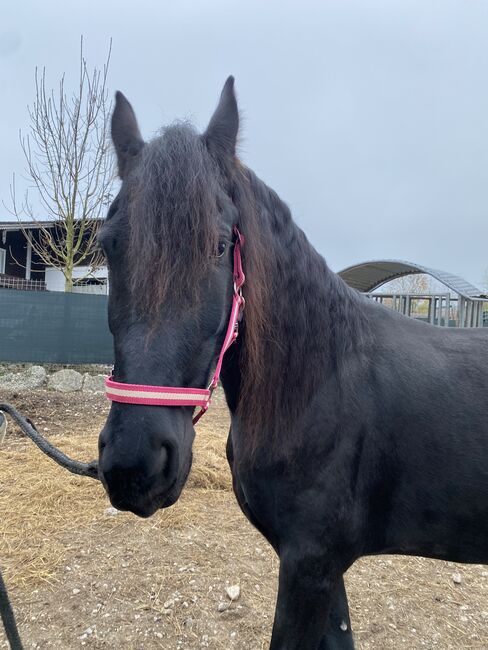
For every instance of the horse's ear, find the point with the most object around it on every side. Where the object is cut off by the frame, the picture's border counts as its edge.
(126, 136)
(221, 133)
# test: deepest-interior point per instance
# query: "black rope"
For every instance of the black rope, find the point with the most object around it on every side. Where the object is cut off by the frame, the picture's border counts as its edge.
(73, 466)
(8, 618)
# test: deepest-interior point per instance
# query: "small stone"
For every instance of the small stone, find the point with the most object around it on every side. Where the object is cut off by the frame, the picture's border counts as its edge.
(111, 511)
(169, 603)
(65, 381)
(93, 383)
(222, 607)
(233, 592)
(33, 377)
(344, 626)
(456, 578)
(76, 591)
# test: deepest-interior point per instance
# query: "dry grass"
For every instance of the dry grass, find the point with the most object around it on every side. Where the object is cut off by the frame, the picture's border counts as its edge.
(40, 502)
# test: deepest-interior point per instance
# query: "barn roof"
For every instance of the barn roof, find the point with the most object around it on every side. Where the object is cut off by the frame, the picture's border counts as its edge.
(368, 276)
(19, 225)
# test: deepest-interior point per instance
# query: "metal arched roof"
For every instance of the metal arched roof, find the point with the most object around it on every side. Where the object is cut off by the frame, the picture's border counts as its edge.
(368, 276)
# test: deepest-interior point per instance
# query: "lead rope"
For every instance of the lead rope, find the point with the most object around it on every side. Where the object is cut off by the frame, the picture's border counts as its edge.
(73, 466)
(8, 618)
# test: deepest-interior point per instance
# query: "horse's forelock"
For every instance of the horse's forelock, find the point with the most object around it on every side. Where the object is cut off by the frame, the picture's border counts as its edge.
(173, 228)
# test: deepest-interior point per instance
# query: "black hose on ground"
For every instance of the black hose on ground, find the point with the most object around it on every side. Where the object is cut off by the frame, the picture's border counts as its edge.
(8, 618)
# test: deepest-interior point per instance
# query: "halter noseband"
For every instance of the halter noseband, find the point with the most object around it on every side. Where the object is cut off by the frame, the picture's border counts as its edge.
(173, 396)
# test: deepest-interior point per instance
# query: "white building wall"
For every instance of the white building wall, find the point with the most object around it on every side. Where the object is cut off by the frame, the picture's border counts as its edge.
(55, 279)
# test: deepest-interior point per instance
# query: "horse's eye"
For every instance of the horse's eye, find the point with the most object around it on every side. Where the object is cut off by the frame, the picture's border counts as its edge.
(221, 248)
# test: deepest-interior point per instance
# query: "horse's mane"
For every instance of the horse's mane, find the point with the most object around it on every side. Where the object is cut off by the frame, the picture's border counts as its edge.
(306, 323)
(300, 321)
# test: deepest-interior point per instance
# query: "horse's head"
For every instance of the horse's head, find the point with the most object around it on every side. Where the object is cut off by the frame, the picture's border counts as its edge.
(168, 239)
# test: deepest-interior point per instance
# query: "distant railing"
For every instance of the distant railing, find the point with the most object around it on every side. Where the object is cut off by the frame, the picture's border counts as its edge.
(21, 284)
(443, 309)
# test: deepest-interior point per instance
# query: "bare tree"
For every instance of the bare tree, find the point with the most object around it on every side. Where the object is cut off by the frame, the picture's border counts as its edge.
(70, 172)
(416, 283)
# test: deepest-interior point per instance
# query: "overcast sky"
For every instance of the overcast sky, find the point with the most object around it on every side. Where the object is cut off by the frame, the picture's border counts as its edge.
(369, 118)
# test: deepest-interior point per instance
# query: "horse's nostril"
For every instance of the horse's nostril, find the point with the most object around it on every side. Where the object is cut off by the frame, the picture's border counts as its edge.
(165, 456)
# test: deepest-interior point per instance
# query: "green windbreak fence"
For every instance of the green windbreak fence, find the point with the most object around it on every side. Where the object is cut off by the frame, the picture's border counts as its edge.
(52, 327)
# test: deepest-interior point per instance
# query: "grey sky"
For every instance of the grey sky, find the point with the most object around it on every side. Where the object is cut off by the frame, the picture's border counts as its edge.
(369, 118)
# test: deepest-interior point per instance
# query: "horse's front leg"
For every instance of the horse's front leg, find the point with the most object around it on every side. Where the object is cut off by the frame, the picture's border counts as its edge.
(310, 596)
(338, 635)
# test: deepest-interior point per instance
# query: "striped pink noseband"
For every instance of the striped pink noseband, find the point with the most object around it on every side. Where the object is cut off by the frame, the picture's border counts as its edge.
(173, 396)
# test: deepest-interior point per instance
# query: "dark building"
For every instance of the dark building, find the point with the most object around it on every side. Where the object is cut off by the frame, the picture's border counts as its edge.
(22, 268)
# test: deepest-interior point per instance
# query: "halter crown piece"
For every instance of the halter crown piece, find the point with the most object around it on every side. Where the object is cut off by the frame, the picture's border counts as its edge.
(174, 396)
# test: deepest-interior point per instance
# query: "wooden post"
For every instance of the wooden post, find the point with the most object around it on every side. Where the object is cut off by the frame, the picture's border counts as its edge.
(461, 311)
(448, 309)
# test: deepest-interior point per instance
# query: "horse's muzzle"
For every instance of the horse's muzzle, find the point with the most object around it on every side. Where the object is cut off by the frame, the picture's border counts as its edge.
(141, 483)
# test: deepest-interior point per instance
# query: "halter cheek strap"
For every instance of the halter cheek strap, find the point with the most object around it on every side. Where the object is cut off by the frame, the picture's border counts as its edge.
(174, 396)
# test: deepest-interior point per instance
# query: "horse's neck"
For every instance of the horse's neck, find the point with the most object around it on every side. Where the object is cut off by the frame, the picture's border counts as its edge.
(311, 318)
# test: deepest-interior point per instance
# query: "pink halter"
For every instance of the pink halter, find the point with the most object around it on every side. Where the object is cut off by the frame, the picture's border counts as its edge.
(170, 395)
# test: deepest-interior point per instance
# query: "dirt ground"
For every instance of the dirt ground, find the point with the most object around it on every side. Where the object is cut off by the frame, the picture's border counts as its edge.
(81, 575)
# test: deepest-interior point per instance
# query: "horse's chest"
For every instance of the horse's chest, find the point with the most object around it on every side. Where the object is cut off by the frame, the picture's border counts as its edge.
(255, 505)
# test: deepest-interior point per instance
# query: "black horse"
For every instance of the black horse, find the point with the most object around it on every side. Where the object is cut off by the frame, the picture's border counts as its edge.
(355, 431)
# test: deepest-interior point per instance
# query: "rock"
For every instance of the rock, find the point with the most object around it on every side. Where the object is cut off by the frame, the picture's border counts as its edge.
(65, 381)
(111, 511)
(222, 607)
(233, 592)
(456, 578)
(33, 377)
(93, 383)
(169, 603)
